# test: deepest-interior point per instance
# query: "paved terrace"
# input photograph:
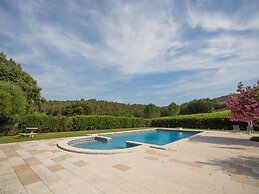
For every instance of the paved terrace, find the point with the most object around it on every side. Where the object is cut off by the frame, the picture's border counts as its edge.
(214, 162)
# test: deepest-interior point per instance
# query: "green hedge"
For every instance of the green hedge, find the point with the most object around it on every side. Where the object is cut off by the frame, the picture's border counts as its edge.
(47, 123)
(217, 120)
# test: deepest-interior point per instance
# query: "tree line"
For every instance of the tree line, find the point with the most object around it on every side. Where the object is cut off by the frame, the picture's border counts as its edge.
(101, 107)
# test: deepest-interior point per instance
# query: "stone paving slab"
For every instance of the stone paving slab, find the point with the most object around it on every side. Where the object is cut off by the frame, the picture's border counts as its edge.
(26, 174)
(121, 167)
(213, 162)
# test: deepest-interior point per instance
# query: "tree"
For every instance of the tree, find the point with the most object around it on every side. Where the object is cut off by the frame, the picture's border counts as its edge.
(12, 102)
(244, 106)
(173, 109)
(164, 111)
(170, 110)
(12, 99)
(12, 72)
(198, 106)
(78, 108)
(151, 111)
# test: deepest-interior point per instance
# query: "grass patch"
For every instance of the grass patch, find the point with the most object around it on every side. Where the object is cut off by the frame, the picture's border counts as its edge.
(255, 138)
(40, 136)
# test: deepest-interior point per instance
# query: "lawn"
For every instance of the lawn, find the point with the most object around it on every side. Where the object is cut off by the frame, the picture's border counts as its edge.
(12, 139)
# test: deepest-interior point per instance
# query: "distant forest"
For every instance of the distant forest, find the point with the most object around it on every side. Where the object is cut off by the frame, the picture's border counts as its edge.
(101, 107)
(87, 107)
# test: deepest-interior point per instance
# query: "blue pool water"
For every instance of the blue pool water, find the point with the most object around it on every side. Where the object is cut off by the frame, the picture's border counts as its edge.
(118, 141)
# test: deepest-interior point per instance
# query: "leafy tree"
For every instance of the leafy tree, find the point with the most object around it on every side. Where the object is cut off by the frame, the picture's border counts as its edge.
(151, 111)
(170, 110)
(12, 102)
(78, 108)
(12, 72)
(12, 99)
(245, 105)
(173, 109)
(164, 111)
(198, 106)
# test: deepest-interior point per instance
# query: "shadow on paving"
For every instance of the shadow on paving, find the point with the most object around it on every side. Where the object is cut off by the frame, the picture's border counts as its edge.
(225, 141)
(242, 165)
(227, 147)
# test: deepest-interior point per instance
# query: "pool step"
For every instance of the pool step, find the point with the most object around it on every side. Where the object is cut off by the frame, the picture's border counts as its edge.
(102, 138)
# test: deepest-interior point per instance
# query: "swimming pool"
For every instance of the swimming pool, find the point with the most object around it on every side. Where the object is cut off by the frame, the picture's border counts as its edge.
(158, 137)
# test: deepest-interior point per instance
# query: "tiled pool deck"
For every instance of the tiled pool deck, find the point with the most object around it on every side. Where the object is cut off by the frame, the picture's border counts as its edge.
(213, 162)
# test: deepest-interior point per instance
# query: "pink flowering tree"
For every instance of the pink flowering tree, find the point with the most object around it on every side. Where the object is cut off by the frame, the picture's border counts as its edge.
(244, 106)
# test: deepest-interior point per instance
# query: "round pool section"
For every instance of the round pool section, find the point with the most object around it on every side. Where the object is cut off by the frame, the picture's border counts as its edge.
(126, 141)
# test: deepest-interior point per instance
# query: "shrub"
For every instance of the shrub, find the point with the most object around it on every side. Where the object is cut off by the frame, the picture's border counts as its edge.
(218, 120)
(12, 102)
(47, 123)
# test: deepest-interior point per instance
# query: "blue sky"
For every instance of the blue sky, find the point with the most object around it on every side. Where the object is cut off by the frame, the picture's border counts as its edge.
(133, 51)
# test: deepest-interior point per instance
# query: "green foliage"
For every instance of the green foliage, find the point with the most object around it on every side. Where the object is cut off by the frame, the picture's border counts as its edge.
(101, 107)
(173, 109)
(47, 123)
(96, 107)
(12, 72)
(217, 120)
(164, 111)
(198, 106)
(12, 99)
(151, 111)
(12, 102)
(77, 108)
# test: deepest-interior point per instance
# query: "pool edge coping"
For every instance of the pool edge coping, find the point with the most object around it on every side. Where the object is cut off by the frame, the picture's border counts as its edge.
(140, 145)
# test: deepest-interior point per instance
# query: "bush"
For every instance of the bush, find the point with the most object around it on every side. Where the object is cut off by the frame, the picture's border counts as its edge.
(12, 102)
(217, 120)
(47, 123)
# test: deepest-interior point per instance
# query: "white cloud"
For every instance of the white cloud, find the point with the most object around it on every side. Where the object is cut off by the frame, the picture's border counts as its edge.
(134, 39)
(244, 19)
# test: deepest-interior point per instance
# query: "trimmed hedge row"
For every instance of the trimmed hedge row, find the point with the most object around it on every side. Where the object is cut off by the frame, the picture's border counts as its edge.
(47, 123)
(217, 120)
